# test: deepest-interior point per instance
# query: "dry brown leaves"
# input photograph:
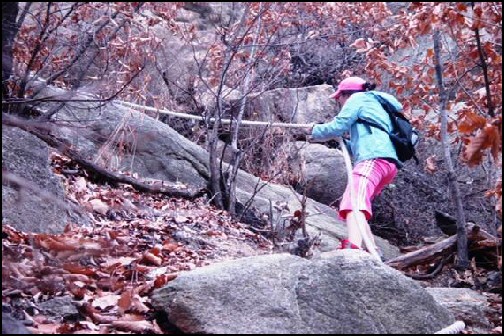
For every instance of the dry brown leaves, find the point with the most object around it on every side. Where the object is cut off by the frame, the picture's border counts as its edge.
(137, 243)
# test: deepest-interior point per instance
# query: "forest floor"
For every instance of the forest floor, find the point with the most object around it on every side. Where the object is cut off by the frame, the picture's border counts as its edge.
(138, 242)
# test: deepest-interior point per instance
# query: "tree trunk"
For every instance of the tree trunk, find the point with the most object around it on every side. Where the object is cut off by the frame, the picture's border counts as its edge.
(462, 252)
(9, 32)
(235, 127)
(215, 173)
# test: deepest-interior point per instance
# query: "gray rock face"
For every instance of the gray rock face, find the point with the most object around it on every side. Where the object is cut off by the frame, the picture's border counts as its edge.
(27, 157)
(465, 303)
(324, 171)
(11, 326)
(121, 139)
(303, 105)
(322, 219)
(58, 308)
(341, 293)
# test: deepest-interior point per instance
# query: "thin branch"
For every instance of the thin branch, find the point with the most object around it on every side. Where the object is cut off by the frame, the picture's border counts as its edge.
(90, 39)
(484, 67)
(25, 11)
(34, 54)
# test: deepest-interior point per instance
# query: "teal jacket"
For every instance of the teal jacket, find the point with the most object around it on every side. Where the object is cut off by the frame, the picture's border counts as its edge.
(365, 142)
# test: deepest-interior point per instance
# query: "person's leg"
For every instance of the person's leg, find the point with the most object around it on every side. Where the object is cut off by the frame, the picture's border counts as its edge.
(382, 175)
(369, 178)
(352, 220)
(355, 206)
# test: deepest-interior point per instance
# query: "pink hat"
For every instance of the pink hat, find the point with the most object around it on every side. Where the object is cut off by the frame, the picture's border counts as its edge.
(349, 84)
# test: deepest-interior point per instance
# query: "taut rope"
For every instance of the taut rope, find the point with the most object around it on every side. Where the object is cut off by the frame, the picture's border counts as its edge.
(223, 121)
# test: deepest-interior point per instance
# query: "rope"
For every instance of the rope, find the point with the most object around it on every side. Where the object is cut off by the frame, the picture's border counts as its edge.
(223, 121)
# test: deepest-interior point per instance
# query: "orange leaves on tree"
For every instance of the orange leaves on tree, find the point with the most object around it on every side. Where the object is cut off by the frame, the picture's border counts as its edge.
(477, 24)
(461, 6)
(487, 138)
(497, 193)
(470, 122)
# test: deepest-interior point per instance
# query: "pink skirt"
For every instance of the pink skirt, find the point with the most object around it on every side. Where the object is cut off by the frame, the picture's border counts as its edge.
(369, 179)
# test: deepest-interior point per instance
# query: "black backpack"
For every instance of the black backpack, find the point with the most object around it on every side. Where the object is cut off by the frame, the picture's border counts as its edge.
(404, 136)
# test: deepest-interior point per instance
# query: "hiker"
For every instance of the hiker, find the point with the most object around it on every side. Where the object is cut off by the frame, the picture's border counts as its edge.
(375, 159)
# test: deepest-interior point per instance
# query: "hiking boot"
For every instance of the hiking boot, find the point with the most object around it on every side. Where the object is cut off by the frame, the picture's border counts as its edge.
(347, 244)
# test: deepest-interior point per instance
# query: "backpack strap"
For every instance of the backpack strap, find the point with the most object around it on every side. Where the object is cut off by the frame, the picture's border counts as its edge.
(372, 124)
(386, 106)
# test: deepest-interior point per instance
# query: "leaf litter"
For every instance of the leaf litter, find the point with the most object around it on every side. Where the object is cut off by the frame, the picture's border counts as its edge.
(137, 242)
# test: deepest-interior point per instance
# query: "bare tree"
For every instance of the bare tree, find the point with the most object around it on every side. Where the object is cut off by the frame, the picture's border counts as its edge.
(462, 251)
(9, 30)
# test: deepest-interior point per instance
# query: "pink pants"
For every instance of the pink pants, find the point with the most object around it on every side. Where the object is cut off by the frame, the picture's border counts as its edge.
(369, 179)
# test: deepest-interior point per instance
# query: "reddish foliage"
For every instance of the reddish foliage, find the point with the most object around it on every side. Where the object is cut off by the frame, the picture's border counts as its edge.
(110, 281)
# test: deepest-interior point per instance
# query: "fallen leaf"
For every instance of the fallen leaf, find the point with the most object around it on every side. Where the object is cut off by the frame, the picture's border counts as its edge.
(45, 329)
(430, 165)
(78, 269)
(138, 304)
(99, 206)
(124, 261)
(80, 185)
(181, 219)
(107, 300)
(125, 301)
(135, 326)
(151, 258)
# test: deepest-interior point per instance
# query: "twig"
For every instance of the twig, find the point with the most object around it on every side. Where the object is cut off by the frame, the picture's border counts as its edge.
(437, 269)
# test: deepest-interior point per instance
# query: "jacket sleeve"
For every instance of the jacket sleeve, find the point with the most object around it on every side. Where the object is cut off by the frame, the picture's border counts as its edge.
(339, 125)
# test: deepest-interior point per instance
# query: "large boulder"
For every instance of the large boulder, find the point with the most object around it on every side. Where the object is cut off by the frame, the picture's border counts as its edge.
(322, 170)
(344, 292)
(123, 140)
(12, 326)
(39, 209)
(296, 105)
(465, 304)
